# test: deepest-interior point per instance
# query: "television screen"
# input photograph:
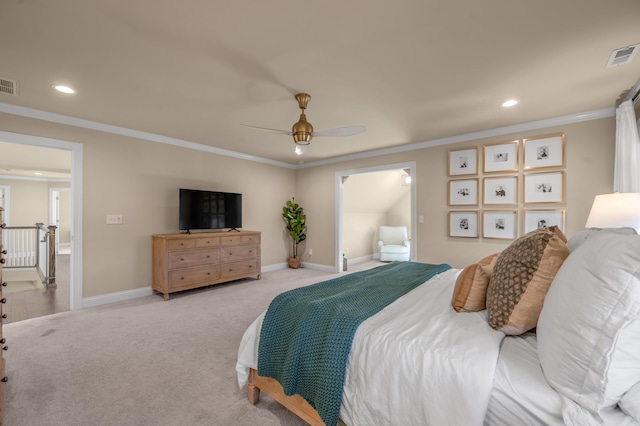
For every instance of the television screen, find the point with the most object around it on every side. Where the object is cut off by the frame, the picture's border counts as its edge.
(209, 210)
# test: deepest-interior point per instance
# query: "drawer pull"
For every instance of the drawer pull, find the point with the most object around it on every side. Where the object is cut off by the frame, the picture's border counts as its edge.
(4, 284)
(5, 379)
(182, 278)
(208, 273)
(3, 225)
(4, 252)
(2, 260)
(3, 300)
(5, 348)
(3, 340)
(182, 259)
(4, 315)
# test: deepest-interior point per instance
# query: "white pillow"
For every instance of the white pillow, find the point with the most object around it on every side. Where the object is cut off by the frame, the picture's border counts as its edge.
(589, 326)
(580, 237)
(630, 402)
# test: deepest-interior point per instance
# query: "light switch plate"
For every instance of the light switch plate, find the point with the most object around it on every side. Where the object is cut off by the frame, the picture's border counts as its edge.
(114, 219)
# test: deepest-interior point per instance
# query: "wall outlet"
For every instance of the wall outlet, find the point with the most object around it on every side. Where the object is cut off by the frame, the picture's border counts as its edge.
(310, 252)
(114, 219)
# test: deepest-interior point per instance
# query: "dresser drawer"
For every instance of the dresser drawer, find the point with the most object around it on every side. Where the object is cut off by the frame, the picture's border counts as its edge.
(235, 269)
(238, 253)
(207, 242)
(190, 276)
(187, 259)
(181, 244)
(250, 239)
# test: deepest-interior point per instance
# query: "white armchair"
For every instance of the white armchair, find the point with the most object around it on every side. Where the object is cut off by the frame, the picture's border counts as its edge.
(393, 244)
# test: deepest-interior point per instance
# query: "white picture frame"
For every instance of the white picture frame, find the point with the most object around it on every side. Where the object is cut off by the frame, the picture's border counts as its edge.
(501, 157)
(535, 219)
(544, 187)
(463, 224)
(500, 224)
(463, 192)
(500, 190)
(463, 162)
(544, 151)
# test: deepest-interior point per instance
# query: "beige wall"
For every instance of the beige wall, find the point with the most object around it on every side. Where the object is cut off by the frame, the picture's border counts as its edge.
(64, 227)
(589, 154)
(360, 233)
(28, 201)
(140, 180)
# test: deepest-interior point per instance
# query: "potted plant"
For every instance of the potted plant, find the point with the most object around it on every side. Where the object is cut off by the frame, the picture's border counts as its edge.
(296, 221)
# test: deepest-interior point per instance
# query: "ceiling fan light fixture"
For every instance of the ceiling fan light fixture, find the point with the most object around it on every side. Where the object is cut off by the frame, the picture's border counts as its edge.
(301, 147)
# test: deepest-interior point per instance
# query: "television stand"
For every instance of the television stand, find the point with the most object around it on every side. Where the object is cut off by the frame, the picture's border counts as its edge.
(187, 261)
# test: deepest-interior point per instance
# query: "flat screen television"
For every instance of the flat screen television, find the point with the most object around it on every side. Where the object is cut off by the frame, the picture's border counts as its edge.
(209, 210)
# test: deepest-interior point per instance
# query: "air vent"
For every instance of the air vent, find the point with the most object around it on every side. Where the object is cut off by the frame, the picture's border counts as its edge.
(623, 55)
(9, 87)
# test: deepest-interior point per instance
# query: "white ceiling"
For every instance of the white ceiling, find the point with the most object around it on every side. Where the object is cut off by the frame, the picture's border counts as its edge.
(410, 71)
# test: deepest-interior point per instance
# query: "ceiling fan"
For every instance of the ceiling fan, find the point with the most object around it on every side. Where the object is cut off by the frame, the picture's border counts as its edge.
(302, 131)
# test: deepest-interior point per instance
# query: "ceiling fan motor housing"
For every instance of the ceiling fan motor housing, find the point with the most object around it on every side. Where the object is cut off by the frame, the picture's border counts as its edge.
(302, 130)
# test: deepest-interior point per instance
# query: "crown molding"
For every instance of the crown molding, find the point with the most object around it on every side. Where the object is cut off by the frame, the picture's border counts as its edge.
(524, 127)
(117, 130)
(87, 124)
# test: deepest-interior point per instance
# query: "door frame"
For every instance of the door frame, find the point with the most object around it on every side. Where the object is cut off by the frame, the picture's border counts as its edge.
(75, 275)
(339, 179)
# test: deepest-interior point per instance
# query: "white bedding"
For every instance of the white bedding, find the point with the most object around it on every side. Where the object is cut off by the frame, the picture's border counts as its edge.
(415, 362)
(522, 396)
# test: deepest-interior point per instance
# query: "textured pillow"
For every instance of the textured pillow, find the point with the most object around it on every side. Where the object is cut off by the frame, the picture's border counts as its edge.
(470, 292)
(521, 277)
(589, 327)
(630, 402)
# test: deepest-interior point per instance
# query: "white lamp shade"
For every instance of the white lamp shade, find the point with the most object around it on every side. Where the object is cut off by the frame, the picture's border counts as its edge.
(619, 210)
(301, 148)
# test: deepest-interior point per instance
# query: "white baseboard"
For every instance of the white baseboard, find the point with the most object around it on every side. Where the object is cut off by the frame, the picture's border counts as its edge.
(89, 302)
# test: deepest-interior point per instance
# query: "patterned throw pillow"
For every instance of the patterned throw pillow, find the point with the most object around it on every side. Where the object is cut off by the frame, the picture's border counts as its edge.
(470, 293)
(521, 278)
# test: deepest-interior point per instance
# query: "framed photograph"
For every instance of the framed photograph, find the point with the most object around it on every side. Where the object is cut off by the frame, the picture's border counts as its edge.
(463, 224)
(501, 157)
(463, 192)
(535, 219)
(544, 187)
(545, 151)
(500, 224)
(500, 190)
(463, 162)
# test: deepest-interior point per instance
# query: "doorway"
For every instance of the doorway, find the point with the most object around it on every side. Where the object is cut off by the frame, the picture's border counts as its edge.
(403, 169)
(75, 200)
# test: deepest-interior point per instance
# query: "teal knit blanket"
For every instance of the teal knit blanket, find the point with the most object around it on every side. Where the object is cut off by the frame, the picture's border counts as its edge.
(307, 333)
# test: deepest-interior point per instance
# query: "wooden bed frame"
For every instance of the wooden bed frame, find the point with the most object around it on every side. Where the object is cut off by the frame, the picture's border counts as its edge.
(295, 403)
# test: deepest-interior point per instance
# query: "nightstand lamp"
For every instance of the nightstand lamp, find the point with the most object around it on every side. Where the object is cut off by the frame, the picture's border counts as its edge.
(618, 210)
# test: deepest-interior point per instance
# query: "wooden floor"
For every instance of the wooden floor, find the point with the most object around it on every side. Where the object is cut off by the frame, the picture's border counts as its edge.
(45, 301)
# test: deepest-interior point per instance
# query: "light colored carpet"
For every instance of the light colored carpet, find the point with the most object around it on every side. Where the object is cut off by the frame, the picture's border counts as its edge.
(145, 361)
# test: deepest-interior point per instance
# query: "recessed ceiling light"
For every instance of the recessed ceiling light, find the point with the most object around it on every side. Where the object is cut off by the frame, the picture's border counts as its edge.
(38, 173)
(509, 103)
(64, 89)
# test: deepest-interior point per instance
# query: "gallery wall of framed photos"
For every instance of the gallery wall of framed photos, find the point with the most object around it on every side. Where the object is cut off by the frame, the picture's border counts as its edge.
(507, 189)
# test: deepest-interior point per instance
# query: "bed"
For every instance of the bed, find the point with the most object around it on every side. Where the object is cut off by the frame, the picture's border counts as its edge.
(428, 359)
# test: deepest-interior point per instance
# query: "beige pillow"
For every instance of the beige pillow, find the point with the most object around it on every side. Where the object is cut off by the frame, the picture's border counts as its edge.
(470, 292)
(521, 278)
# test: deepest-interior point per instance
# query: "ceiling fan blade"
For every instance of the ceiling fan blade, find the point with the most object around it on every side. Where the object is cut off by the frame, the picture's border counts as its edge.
(265, 129)
(341, 131)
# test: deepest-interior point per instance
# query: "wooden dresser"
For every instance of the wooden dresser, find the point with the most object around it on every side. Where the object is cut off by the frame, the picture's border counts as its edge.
(2, 316)
(186, 261)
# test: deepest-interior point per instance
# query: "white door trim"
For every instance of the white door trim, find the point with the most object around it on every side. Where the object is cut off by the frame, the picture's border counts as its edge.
(76, 204)
(411, 166)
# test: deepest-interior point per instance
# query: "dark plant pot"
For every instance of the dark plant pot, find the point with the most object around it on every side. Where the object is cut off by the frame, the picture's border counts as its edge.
(294, 262)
